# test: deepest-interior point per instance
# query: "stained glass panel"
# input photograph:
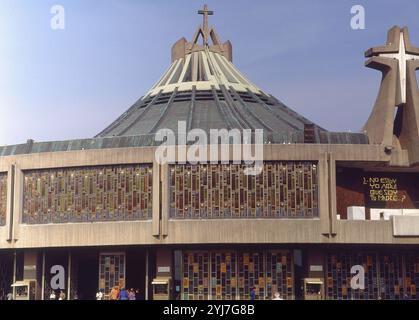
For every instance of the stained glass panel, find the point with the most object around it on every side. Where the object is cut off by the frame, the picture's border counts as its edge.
(391, 277)
(412, 275)
(338, 280)
(229, 275)
(388, 275)
(106, 193)
(282, 190)
(111, 272)
(3, 198)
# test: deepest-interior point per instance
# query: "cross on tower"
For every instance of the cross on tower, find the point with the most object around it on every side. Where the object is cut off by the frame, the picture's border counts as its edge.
(205, 14)
(394, 120)
(398, 51)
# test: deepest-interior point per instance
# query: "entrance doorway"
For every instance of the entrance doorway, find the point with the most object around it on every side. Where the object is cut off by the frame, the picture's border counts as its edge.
(6, 274)
(87, 275)
(136, 271)
(93, 270)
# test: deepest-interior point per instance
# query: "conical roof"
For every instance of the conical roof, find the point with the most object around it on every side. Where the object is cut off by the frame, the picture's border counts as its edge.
(203, 88)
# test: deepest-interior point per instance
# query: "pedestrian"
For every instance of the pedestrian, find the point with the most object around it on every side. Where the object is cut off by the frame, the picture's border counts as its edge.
(131, 294)
(123, 295)
(99, 295)
(406, 296)
(52, 295)
(115, 293)
(277, 296)
(137, 294)
(252, 293)
(62, 295)
(9, 296)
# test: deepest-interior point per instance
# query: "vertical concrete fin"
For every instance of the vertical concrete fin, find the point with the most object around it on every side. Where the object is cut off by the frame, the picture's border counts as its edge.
(164, 181)
(156, 199)
(17, 201)
(10, 201)
(324, 195)
(332, 193)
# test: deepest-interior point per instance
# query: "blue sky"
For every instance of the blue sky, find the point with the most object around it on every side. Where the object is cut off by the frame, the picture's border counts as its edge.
(59, 85)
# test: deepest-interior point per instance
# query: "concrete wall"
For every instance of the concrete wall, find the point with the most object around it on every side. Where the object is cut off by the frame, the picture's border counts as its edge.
(162, 230)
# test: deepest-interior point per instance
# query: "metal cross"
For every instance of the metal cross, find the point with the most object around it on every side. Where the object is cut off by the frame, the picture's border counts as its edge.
(205, 13)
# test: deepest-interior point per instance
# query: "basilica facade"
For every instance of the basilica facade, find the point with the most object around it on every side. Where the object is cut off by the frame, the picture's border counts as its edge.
(325, 209)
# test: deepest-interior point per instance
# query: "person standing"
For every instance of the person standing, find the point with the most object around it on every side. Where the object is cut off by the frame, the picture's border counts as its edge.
(131, 294)
(277, 296)
(9, 296)
(114, 293)
(99, 295)
(252, 293)
(123, 295)
(52, 295)
(137, 294)
(62, 295)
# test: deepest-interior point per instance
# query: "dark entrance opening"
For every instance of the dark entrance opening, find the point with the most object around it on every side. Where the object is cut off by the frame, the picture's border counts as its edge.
(136, 270)
(87, 275)
(6, 274)
(54, 258)
(298, 274)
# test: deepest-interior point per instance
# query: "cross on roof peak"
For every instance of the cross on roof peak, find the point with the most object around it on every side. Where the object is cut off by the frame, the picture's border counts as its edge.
(205, 12)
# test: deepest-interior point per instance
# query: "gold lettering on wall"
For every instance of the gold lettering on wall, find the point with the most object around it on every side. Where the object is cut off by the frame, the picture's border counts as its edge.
(383, 189)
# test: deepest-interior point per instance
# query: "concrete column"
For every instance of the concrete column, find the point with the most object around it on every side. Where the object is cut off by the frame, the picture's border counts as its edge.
(69, 276)
(10, 202)
(14, 273)
(410, 130)
(146, 274)
(332, 193)
(164, 180)
(17, 201)
(156, 199)
(324, 195)
(43, 277)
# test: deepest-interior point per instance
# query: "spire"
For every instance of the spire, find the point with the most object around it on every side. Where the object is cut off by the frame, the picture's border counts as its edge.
(182, 47)
(205, 13)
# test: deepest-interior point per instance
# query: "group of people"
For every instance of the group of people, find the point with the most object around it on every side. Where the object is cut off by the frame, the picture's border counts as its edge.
(252, 295)
(120, 294)
(60, 296)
